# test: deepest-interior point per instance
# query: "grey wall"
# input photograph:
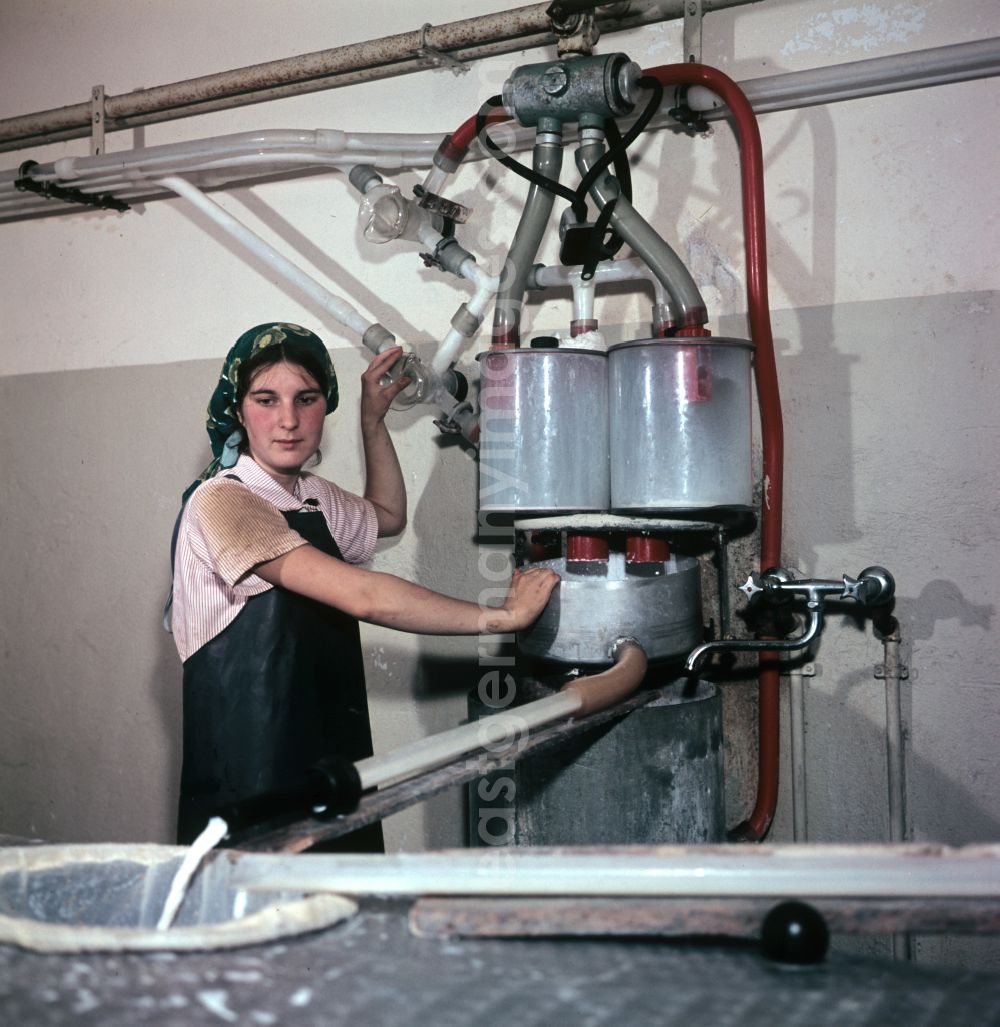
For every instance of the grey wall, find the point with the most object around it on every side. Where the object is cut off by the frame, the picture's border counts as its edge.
(891, 458)
(94, 464)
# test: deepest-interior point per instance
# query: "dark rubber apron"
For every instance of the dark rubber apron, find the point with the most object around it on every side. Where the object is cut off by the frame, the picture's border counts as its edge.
(282, 686)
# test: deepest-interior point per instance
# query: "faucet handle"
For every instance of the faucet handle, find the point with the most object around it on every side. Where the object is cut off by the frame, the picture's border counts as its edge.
(776, 582)
(752, 586)
(874, 586)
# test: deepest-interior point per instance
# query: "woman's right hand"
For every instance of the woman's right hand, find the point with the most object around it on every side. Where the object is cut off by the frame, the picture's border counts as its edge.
(529, 592)
(377, 395)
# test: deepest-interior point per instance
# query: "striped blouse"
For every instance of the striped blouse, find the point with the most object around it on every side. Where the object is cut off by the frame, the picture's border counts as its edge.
(229, 527)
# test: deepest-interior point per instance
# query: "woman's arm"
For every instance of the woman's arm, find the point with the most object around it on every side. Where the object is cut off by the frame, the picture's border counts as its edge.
(396, 603)
(384, 487)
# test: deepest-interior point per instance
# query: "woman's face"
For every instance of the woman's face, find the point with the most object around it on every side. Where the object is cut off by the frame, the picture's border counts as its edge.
(282, 415)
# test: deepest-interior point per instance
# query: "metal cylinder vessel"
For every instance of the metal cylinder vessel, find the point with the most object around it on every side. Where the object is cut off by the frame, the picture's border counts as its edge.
(544, 430)
(655, 777)
(680, 416)
(588, 612)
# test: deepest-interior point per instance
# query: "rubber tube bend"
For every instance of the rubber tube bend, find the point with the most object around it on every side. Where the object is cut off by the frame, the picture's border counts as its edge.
(547, 161)
(659, 257)
(599, 691)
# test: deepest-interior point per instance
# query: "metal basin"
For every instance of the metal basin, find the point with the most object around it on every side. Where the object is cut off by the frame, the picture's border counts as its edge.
(107, 898)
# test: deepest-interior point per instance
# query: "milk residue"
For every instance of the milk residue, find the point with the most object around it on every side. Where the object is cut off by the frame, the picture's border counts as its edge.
(214, 832)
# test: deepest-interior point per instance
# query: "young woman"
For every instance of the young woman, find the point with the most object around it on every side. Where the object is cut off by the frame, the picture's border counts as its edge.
(267, 588)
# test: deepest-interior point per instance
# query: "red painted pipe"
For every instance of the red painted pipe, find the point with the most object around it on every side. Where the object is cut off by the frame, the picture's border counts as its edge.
(766, 376)
(768, 397)
(646, 549)
(456, 146)
(587, 548)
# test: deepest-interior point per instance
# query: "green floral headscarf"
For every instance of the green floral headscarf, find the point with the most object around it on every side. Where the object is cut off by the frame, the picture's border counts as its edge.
(222, 424)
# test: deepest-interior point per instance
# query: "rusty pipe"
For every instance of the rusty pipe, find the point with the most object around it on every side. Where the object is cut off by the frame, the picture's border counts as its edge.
(402, 53)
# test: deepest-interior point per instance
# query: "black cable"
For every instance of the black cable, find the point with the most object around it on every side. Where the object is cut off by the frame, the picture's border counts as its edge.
(623, 170)
(597, 249)
(616, 154)
(517, 167)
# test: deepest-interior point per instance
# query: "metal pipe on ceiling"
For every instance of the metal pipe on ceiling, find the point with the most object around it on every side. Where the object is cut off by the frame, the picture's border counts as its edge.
(459, 41)
(874, 76)
(127, 174)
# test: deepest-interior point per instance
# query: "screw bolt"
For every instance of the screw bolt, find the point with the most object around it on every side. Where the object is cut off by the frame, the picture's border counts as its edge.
(555, 80)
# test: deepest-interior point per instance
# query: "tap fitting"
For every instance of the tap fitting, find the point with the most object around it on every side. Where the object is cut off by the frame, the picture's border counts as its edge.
(874, 586)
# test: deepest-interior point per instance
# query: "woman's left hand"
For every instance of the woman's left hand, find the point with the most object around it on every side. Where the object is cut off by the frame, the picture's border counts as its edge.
(376, 397)
(529, 592)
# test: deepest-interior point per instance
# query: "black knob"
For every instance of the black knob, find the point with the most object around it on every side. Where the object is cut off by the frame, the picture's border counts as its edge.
(545, 342)
(794, 932)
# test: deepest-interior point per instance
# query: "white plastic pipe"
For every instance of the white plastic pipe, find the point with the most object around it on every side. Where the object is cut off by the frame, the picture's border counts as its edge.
(918, 69)
(131, 172)
(502, 731)
(627, 270)
(341, 310)
(806, 871)
(436, 179)
(486, 287)
(315, 144)
(879, 75)
(496, 733)
(429, 236)
(797, 735)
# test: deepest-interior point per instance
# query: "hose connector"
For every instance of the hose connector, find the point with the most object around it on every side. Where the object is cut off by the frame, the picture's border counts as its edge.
(619, 643)
(606, 86)
(364, 177)
(378, 338)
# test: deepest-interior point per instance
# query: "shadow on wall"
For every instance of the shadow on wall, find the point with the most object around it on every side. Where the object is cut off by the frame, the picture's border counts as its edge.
(847, 799)
(845, 746)
(846, 773)
(167, 694)
(940, 600)
(342, 282)
(191, 454)
(429, 688)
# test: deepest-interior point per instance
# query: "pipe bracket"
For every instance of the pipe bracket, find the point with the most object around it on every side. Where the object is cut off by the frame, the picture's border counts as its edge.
(26, 184)
(97, 119)
(692, 31)
(437, 58)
